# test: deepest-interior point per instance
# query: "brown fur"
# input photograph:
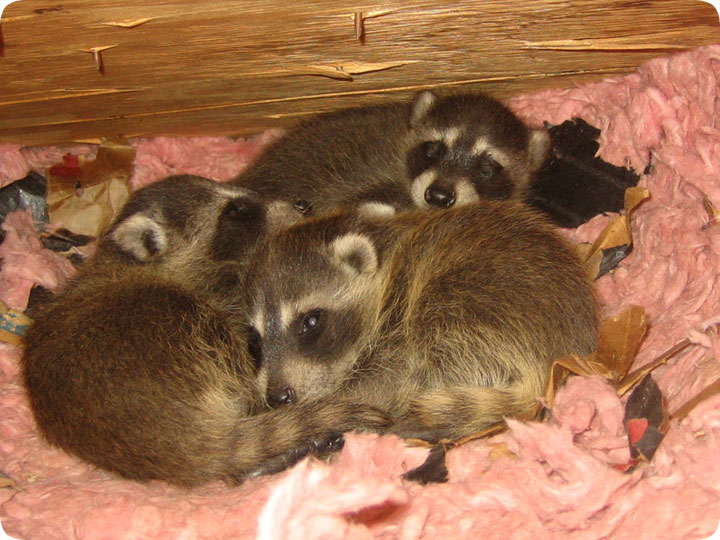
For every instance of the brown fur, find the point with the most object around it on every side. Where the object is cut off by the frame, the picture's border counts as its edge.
(403, 155)
(141, 365)
(448, 322)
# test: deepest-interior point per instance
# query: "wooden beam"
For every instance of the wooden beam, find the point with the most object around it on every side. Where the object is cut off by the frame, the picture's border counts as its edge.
(85, 70)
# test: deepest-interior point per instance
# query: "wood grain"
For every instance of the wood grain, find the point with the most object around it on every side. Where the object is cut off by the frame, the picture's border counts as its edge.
(237, 67)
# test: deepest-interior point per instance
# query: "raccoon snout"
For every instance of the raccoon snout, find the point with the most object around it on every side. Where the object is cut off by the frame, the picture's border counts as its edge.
(439, 196)
(284, 396)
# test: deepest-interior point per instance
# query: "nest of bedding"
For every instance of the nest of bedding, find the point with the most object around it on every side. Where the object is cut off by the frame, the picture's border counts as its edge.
(559, 478)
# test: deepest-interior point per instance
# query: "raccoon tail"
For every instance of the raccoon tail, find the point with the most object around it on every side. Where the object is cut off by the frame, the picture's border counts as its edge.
(272, 441)
(456, 412)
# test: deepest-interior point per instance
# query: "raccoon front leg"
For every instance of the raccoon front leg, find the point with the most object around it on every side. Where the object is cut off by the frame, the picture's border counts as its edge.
(456, 412)
(274, 440)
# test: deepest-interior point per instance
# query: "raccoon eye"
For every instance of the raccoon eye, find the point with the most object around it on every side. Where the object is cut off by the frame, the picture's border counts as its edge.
(488, 167)
(309, 322)
(302, 206)
(425, 155)
(152, 242)
(255, 347)
(241, 209)
(433, 150)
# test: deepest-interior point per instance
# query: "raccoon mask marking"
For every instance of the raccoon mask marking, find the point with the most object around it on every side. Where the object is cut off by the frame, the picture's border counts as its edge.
(311, 328)
(191, 218)
(474, 147)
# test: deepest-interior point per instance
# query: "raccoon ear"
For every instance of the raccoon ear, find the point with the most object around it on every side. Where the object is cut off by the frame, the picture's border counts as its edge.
(538, 147)
(375, 209)
(422, 104)
(140, 236)
(355, 253)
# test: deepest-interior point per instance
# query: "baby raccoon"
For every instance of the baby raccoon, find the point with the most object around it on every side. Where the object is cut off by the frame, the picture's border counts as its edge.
(447, 322)
(436, 151)
(141, 366)
(183, 221)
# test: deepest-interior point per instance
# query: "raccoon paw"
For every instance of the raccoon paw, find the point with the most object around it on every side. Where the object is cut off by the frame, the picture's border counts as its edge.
(279, 463)
(320, 447)
(432, 471)
(328, 445)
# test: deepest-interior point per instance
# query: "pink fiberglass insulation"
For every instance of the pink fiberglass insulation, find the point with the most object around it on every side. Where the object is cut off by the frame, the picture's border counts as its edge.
(538, 480)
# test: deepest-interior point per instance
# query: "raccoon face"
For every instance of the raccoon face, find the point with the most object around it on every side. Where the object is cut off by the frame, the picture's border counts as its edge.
(190, 217)
(470, 147)
(309, 314)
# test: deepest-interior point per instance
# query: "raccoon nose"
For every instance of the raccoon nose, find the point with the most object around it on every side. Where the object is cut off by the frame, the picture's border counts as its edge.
(285, 396)
(439, 196)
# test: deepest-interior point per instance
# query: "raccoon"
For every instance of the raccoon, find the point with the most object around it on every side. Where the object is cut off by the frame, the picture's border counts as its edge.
(141, 366)
(449, 322)
(182, 221)
(434, 152)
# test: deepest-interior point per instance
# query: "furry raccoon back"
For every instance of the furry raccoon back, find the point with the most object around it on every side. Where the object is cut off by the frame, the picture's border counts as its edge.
(139, 375)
